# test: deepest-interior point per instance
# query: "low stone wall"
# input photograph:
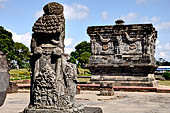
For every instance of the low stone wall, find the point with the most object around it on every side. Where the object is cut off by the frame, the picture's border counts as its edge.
(97, 87)
(13, 88)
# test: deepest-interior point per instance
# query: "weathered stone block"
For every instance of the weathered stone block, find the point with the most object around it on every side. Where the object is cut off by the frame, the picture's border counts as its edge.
(93, 110)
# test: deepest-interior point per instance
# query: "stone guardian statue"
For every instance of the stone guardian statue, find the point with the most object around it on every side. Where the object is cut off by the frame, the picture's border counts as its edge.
(53, 78)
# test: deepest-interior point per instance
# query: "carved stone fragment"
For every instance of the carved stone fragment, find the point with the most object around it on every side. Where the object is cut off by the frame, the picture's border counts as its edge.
(4, 78)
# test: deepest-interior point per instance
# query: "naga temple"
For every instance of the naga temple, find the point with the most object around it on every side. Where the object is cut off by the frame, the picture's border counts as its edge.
(123, 55)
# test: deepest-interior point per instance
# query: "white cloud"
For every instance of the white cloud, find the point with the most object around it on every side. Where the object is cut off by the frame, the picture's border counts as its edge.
(167, 46)
(22, 38)
(68, 50)
(141, 1)
(104, 15)
(162, 50)
(158, 45)
(39, 14)
(71, 12)
(130, 17)
(163, 25)
(162, 54)
(1, 5)
(68, 41)
(76, 11)
(154, 19)
(157, 42)
(3, 0)
(157, 23)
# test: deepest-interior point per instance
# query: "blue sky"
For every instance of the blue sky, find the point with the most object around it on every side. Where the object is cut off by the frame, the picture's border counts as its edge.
(18, 16)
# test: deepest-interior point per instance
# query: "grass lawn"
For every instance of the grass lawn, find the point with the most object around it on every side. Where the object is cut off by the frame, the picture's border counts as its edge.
(83, 79)
(23, 74)
(19, 74)
(84, 72)
(164, 82)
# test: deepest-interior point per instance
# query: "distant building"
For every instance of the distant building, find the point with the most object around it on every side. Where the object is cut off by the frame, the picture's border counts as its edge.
(162, 69)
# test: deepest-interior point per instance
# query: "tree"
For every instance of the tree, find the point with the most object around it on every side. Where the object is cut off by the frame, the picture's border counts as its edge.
(84, 58)
(22, 55)
(166, 75)
(83, 47)
(82, 54)
(17, 53)
(162, 62)
(7, 44)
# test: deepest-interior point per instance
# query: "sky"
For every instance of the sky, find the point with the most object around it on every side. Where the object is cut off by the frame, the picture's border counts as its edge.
(18, 17)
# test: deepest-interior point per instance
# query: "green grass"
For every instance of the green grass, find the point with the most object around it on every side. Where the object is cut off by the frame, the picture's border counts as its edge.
(23, 74)
(164, 82)
(84, 72)
(83, 79)
(19, 74)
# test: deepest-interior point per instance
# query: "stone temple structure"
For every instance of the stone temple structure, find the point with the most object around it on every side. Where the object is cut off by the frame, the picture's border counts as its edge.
(4, 77)
(53, 78)
(123, 55)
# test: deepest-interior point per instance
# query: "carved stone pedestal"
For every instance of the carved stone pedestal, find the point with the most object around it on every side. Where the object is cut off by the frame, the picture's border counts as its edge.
(74, 110)
(124, 76)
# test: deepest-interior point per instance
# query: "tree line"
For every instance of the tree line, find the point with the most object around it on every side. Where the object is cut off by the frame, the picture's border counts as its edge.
(17, 53)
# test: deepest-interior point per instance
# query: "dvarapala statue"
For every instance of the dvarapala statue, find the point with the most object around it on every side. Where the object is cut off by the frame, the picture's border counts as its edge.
(53, 78)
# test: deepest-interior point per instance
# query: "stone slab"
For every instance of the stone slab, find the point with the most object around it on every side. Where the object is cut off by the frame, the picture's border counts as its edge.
(27, 110)
(97, 87)
(93, 110)
(86, 110)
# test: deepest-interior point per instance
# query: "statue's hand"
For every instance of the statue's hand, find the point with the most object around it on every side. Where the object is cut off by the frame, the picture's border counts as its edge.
(55, 42)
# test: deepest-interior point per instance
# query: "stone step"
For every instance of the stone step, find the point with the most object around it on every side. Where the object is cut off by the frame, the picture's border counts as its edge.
(128, 83)
(120, 78)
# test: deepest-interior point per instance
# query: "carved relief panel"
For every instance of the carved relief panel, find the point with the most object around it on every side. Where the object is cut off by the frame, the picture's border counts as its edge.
(135, 42)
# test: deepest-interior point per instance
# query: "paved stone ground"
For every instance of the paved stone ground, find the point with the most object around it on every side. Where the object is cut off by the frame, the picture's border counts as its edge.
(121, 102)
